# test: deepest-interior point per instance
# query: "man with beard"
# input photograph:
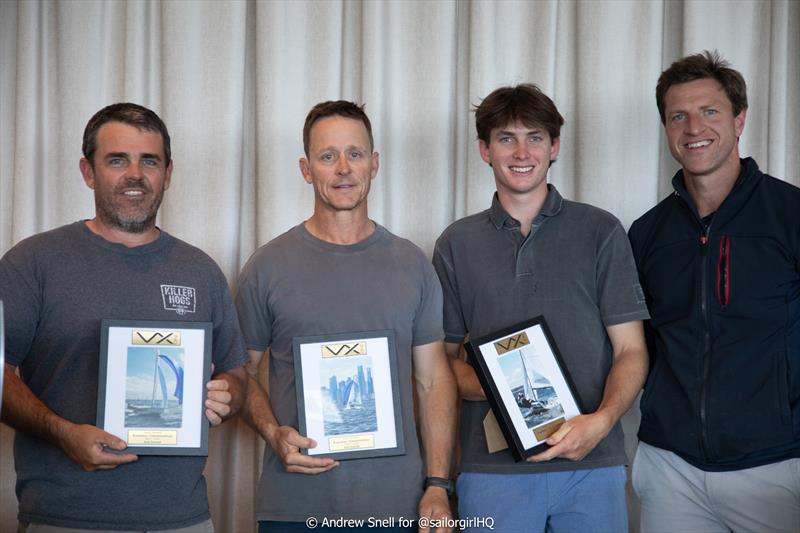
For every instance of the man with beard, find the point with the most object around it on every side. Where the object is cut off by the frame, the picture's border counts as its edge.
(57, 286)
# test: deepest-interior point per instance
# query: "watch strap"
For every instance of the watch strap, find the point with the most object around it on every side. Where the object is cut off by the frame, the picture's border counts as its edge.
(441, 482)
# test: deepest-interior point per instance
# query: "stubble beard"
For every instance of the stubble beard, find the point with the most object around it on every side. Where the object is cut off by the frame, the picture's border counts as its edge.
(140, 221)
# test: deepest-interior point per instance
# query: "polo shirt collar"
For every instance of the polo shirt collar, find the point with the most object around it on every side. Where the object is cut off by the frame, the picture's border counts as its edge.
(551, 207)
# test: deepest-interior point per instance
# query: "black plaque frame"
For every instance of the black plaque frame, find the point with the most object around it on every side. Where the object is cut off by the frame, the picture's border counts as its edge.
(117, 337)
(386, 385)
(506, 406)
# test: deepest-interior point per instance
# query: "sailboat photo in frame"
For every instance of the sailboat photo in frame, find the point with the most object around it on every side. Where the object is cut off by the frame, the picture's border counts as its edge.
(527, 385)
(154, 387)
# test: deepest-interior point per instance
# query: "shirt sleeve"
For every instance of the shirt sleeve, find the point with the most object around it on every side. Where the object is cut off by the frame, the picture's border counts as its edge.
(252, 306)
(228, 345)
(22, 302)
(428, 320)
(620, 295)
(455, 328)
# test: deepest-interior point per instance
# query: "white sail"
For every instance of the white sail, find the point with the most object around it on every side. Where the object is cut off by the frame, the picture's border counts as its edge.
(352, 396)
(530, 391)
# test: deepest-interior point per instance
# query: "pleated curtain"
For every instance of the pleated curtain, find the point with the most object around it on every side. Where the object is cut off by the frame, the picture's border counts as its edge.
(233, 81)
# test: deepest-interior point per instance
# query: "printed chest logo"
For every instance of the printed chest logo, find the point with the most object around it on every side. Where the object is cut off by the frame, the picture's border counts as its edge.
(180, 299)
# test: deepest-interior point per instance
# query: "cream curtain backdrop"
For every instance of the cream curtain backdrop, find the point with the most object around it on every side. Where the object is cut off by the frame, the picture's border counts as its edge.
(233, 80)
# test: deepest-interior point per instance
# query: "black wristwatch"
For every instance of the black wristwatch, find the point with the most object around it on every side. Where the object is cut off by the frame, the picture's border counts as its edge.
(442, 482)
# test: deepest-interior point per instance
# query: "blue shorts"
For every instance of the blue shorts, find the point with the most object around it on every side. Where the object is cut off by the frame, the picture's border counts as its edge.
(579, 500)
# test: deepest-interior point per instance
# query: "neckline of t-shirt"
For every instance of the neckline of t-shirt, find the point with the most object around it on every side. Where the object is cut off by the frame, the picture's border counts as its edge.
(376, 235)
(97, 240)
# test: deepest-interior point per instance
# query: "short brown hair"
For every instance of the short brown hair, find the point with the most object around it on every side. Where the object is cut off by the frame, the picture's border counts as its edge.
(701, 66)
(335, 108)
(134, 115)
(525, 103)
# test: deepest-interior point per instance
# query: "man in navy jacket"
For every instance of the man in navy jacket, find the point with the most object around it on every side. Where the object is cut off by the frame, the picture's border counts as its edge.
(719, 261)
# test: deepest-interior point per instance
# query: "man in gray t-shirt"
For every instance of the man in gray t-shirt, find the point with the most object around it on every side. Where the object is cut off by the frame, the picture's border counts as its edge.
(337, 273)
(57, 287)
(534, 253)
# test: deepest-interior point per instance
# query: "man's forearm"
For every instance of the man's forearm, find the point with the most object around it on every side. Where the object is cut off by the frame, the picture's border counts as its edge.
(625, 380)
(469, 387)
(628, 370)
(257, 412)
(23, 411)
(437, 408)
(256, 409)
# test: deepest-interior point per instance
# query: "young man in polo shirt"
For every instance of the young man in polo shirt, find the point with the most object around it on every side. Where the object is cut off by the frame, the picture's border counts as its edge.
(534, 253)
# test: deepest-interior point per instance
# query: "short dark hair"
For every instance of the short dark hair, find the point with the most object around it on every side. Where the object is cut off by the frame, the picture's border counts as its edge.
(701, 66)
(335, 108)
(134, 115)
(525, 103)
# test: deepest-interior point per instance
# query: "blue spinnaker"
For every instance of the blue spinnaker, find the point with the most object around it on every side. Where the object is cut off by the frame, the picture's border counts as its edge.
(163, 383)
(178, 371)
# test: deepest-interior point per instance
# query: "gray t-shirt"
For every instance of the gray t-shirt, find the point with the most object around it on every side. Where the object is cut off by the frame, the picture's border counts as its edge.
(298, 285)
(575, 267)
(57, 287)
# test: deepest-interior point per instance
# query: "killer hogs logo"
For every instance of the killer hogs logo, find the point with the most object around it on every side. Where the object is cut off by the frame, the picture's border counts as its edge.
(180, 299)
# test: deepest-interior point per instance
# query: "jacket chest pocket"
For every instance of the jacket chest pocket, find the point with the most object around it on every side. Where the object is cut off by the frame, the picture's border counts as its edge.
(752, 271)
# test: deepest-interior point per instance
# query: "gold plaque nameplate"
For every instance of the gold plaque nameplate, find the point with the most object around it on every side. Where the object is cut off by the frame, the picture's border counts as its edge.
(543, 432)
(347, 349)
(511, 343)
(152, 437)
(351, 442)
(158, 338)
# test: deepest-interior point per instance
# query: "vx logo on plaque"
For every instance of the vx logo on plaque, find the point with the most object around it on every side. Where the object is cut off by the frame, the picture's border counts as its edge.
(163, 338)
(344, 349)
(512, 343)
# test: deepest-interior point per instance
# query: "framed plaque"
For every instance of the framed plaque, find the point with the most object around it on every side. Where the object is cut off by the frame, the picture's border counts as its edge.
(152, 386)
(526, 383)
(348, 395)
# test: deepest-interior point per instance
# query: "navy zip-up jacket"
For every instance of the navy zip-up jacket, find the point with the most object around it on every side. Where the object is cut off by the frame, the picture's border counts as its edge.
(723, 390)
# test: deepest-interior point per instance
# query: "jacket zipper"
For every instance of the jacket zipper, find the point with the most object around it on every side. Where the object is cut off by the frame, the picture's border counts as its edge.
(724, 271)
(704, 238)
